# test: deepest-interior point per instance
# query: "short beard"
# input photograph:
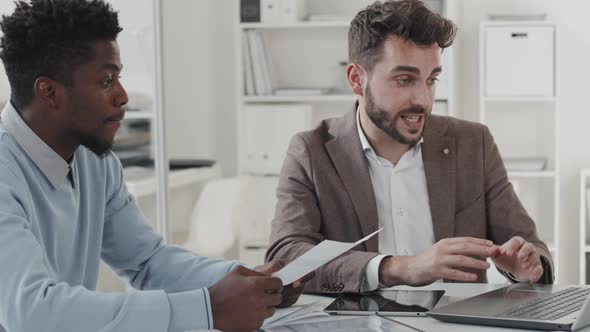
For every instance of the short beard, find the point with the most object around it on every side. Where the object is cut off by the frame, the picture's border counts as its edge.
(97, 146)
(381, 118)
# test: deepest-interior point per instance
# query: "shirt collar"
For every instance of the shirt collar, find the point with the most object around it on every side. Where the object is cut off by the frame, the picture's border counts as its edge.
(367, 148)
(49, 162)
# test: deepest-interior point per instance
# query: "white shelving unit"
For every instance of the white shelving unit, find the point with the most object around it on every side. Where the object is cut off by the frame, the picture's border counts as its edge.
(525, 123)
(584, 218)
(309, 54)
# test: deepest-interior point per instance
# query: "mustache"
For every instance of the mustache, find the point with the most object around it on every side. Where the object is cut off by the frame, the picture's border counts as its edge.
(413, 110)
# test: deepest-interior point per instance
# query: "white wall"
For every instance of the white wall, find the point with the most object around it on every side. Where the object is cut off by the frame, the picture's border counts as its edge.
(199, 73)
(574, 40)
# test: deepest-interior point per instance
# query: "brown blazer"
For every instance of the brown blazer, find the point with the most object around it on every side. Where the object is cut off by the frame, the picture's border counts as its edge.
(325, 192)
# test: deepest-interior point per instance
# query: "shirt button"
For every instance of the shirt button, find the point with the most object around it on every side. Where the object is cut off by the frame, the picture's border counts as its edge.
(446, 151)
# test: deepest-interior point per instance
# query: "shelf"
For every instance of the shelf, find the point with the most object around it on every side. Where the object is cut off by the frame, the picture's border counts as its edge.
(141, 181)
(531, 174)
(320, 98)
(520, 99)
(284, 99)
(139, 115)
(296, 25)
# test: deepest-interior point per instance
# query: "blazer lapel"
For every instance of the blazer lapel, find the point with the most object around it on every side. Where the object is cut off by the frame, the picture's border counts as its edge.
(345, 151)
(439, 154)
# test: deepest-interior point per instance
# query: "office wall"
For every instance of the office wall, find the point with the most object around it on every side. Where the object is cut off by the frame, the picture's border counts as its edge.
(573, 25)
(199, 73)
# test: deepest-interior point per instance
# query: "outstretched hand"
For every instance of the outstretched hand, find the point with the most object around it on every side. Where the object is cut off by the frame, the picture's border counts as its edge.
(520, 258)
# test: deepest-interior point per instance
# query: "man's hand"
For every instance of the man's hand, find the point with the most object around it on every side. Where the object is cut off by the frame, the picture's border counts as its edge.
(445, 260)
(291, 292)
(243, 299)
(520, 258)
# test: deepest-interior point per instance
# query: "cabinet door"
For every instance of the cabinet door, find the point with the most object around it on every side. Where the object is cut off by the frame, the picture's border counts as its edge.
(519, 61)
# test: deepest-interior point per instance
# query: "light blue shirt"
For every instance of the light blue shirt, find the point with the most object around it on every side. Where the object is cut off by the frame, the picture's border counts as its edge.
(403, 206)
(54, 232)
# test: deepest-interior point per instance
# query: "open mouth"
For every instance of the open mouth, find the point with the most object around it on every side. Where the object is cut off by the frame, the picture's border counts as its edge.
(413, 118)
(413, 121)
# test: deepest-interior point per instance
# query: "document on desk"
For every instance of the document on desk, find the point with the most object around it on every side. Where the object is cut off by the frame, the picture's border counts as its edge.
(319, 255)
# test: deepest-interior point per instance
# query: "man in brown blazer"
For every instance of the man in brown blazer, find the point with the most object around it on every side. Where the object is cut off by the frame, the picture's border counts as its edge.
(437, 185)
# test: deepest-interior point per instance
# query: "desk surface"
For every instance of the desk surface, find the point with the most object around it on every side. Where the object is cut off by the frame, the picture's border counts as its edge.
(454, 292)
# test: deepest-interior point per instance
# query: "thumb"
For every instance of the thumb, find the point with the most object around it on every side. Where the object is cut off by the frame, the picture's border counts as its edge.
(244, 271)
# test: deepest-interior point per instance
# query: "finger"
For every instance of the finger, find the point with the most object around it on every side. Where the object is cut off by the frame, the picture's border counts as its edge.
(269, 284)
(244, 271)
(472, 240)
(525, 252)
(272, 299)
(290, 296)
(299, 282)
(466, 262)
(470, 249)
(452, 274)
(537, 273)
(513, 245)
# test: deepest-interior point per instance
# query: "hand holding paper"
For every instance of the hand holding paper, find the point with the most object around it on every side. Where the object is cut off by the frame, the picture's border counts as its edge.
(319, 255)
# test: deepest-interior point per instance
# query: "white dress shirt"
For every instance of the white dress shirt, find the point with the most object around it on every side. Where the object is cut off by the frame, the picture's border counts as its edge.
(403, 206)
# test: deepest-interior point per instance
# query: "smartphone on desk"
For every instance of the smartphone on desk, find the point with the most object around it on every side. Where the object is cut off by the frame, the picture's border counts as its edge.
(386, 302)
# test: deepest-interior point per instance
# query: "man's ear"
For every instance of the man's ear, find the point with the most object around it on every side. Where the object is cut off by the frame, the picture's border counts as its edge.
(356, 76)
(47, 91)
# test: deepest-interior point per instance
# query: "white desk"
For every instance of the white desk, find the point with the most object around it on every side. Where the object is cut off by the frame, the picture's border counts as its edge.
(454, 292)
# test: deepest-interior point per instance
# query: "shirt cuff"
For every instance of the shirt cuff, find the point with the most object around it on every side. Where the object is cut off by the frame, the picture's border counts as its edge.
(372, 274)
(190, 310)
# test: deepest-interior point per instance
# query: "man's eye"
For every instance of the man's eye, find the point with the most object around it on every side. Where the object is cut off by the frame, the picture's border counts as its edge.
(433, 80)
(107, 83)
(403, 81)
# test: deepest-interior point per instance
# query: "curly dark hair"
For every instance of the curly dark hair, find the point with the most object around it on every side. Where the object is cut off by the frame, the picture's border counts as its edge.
(51, 38)
(408, 19)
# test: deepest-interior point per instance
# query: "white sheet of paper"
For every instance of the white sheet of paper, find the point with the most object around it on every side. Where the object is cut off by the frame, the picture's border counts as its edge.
(319, 255)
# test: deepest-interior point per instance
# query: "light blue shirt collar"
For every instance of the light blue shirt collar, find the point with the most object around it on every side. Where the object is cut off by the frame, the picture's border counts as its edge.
(367, 148)
(49, 162)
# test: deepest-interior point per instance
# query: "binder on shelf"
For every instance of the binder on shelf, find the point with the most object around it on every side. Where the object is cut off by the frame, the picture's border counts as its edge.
(249, 11)
(248, 74)
(258, 63)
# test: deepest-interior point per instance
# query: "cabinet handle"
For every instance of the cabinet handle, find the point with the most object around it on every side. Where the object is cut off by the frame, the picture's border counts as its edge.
(519, 35)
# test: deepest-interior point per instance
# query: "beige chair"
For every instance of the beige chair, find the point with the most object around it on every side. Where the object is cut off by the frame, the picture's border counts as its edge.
(214, 223)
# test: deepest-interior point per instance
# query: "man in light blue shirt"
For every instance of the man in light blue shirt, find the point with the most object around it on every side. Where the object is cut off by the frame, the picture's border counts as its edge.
(64, 205)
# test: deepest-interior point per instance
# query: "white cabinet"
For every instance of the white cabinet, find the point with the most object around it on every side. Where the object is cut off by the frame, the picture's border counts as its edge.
(519, 60)
(267, 132)
(519, 103)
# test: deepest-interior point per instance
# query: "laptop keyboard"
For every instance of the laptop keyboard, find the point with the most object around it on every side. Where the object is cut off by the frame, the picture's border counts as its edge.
(557, 305)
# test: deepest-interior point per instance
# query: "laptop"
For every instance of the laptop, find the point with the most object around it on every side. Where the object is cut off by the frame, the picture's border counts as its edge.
(523, 305)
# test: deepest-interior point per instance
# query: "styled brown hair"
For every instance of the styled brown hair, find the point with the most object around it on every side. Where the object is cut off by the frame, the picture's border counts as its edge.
(407, 19)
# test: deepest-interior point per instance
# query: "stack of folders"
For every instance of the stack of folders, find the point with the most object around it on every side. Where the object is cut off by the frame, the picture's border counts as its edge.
(256, 69)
